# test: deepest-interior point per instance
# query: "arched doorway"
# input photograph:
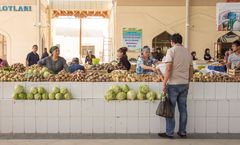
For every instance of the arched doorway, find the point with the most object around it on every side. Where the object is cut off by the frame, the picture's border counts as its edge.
(224, 43)
(162, 42)
(3, 46)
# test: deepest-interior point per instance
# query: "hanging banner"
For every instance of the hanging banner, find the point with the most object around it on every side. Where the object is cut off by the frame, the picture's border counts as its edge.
(228, 16)
(132, 39)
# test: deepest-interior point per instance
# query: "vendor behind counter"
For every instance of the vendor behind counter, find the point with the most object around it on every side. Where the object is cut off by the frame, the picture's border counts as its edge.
(123, 58)
(54, 63)
(234, 58)
(145, 62)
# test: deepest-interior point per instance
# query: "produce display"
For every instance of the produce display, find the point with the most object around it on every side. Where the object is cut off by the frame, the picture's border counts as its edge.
(98, 77)
(98, 73)
(123, 76)
(19, 93)
(60, 94)
(18, 67)
(36, 73)
(149, 78)
(11, 76)
(63, 76)
(200, 77)
(109, 67)
(39, 93)
(78, 76)
(125, 93)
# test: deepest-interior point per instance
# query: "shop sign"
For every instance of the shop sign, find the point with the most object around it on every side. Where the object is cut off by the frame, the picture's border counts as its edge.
(132, 39)
(5, 8)
(228, 16)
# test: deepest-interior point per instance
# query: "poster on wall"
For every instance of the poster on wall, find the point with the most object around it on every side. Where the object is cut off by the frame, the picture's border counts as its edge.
(132, 39)
(228, 16)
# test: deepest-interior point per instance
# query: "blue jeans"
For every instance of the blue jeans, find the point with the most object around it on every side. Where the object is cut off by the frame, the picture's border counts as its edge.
(177, 94)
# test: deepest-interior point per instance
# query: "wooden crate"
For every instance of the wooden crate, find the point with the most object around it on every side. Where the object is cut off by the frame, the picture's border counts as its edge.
(233, 72)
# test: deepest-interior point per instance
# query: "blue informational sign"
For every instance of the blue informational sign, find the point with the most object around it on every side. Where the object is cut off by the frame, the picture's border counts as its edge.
(4, 8)
(132, 39)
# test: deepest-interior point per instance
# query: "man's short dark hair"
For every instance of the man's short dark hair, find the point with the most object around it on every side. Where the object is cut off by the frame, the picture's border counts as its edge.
(35, 46)
(176, 38)
(237, 43)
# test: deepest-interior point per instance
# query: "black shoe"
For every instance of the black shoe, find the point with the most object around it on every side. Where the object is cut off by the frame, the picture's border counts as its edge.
(181, 135)
(164, 135)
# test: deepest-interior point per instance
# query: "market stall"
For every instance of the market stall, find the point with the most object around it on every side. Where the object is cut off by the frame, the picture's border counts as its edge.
(213, 104)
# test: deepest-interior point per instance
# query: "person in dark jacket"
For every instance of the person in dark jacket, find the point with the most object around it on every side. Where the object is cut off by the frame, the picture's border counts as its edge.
(194, 54)
(32, 57)
(45, 53)
(123, 58)
(207, 55)
(74, 66)
(155, 54)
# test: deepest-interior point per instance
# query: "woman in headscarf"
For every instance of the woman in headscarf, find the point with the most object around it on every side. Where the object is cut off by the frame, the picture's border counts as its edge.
(145, 62)
(89, 57)
(54, 63)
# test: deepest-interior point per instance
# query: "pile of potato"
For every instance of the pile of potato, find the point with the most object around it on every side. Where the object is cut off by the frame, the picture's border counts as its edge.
(18, 68)
(149, 78)
(98, 77)
(11, 76)
(199, 77)
(106, 67)
(78, 76)
(63, 76)
(123, 76)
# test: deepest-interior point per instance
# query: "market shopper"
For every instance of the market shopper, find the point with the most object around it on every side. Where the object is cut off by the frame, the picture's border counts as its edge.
(194, 54)
(32, 57)
(3, 63)
(123, 58)
(89, 57)
(176, 83)
(45, 53)
(54, 63)
(155, 55)
(145, 62)
(74, 66)
(234, 58)
(207, 55)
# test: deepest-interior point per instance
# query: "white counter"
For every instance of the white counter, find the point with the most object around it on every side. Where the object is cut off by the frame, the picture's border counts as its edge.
(212, 108)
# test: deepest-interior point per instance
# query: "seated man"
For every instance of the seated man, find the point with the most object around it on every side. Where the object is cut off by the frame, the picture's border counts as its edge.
(75, 66)
(234, 58)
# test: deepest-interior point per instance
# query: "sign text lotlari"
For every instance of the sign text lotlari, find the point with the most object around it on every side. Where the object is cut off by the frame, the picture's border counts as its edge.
(4, 8)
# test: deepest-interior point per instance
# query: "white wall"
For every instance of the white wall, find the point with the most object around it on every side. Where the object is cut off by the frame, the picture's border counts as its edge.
(21, 34)
(157, 19)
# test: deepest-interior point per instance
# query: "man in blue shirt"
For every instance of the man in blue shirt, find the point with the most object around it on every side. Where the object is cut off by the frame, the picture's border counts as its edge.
(32, 57)
(75, 66)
